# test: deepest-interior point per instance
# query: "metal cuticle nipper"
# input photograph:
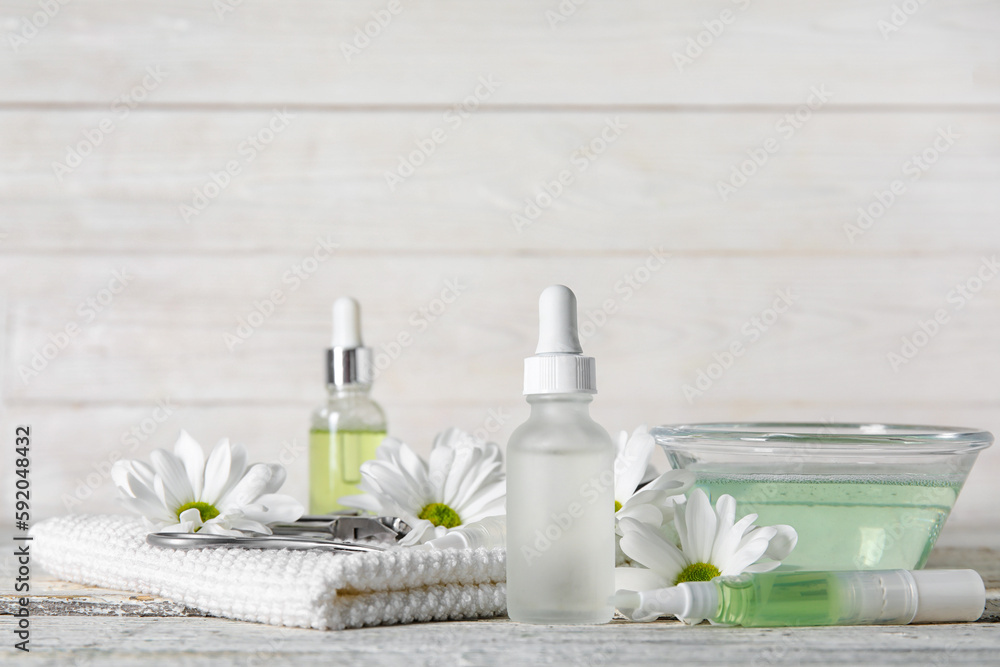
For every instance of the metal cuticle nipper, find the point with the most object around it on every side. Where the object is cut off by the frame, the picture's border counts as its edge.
(346, 531)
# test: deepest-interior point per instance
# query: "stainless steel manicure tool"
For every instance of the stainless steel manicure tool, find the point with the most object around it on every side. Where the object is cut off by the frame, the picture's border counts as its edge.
(342, 531)
(204, 541)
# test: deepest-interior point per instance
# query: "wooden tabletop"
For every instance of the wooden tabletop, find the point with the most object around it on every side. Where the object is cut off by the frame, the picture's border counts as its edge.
(82, 626)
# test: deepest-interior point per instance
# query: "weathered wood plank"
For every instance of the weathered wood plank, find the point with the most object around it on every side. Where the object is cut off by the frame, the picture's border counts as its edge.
(165, 333)
(657, 182)
(618, 52)
(51, 597)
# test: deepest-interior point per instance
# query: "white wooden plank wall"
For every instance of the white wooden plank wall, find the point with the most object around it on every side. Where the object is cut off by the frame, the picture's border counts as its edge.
(162, 95)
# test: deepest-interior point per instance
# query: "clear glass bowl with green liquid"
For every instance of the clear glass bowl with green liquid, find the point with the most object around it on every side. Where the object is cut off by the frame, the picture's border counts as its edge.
(860, 496)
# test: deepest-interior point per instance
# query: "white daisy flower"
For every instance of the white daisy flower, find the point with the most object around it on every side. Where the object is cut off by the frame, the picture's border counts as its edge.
(462, 483)
(712, 544)
(181, 492)
(653, 504)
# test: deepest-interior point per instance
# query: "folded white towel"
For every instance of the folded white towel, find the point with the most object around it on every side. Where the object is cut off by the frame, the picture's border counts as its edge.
(308, 589)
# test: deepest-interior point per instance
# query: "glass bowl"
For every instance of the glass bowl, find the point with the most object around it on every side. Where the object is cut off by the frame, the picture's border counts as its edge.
(860, 496)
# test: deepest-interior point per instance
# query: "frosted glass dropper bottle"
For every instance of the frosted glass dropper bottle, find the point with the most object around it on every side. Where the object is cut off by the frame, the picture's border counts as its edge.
(560, 483)
(347, 430)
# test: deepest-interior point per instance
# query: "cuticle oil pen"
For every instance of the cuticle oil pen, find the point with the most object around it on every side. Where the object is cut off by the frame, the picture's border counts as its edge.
(778, 599)
(349, 428)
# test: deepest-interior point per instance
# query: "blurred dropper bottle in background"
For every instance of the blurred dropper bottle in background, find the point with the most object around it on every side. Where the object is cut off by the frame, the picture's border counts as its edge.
(349, 428)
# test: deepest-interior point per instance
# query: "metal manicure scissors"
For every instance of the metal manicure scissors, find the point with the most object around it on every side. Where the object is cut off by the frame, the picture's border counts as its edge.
(329, 532)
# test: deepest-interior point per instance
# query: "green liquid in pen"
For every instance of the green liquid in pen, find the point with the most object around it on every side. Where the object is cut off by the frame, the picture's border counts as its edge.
(776, 599)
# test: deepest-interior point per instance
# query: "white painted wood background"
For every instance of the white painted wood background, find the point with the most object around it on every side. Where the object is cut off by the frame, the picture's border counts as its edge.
(558, 82)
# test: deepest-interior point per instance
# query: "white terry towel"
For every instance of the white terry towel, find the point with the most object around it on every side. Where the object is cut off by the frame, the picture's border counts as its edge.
(308, 589)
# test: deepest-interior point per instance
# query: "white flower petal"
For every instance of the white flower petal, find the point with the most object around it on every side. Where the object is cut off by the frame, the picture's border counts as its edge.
(744, 557)
(215, 527)
(644, 545)
(175, 480)
(365, 502)
(192, 515)
(421, 531)
(217, 471)
(639, 579)
(248, 489)
(278, 476)
(631, 466)
(701, 522)
(274, 508)
(193, 459)
(676, 482)
(163, 494)
(762, 566)
(782, 543)
(727, 535)
(646, 497)
(488, 500)
(183, 527)
(645, 513)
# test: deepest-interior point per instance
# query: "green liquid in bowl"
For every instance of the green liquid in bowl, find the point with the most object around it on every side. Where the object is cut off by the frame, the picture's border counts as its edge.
(845, 522)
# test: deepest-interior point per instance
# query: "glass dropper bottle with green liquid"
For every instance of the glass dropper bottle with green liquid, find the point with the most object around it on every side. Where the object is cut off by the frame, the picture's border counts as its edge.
(349, 428)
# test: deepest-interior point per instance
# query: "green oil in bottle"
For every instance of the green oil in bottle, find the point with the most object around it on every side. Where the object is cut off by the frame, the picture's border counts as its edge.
(875, 521)
(335, 465)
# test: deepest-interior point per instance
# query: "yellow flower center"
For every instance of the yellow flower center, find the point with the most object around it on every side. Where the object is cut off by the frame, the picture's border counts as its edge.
(618, 506)
(440, 514)
(206, 511)
(697, 572)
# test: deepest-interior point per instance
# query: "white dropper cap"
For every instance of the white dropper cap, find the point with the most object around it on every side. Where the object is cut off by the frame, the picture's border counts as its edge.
(348, 361)
(346, 323)
(558, 366)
